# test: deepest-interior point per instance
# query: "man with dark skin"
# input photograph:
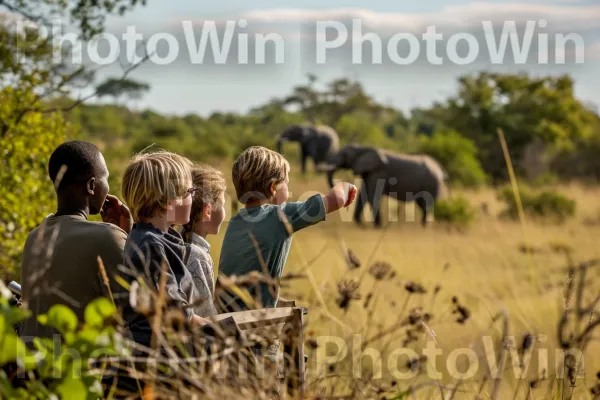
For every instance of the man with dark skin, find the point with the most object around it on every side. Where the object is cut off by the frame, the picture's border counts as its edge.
(68, 259)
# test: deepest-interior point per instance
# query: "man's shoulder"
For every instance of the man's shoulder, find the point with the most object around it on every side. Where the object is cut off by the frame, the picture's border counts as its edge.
(82, 229)
(105, 227)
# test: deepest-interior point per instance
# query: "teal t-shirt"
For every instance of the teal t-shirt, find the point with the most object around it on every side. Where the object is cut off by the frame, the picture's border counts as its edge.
(264, 223)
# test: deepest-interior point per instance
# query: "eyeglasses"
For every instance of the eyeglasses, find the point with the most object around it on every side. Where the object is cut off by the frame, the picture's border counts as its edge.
(193, 190)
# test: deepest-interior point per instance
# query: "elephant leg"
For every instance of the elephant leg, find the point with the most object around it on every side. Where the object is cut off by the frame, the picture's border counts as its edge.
(375, 200)
(422, 203)
(303, 158)
(360, 203)
(375, 190)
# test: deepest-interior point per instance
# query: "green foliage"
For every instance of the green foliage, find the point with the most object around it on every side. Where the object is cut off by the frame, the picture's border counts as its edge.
(64, 370)
(456, 212)
(582, 159)
(27, 195)
(547, 204)
(458, 156)
(525, 108)
(359, 127)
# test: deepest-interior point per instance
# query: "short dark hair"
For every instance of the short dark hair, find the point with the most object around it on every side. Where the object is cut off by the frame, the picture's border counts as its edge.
(80, 158)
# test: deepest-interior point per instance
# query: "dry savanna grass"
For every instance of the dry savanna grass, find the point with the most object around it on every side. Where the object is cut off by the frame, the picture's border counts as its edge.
(469, 277)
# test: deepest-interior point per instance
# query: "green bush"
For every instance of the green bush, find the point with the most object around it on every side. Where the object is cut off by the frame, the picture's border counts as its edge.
(456, 212)
(61, 371)
(26, 193)
(547, 204)
(458, 155)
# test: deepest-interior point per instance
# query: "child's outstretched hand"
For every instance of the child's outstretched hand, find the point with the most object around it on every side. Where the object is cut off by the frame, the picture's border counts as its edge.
(351, 192)
(341, 195)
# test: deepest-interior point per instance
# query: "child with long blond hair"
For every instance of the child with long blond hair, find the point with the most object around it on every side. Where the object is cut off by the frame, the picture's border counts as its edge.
(206, 216)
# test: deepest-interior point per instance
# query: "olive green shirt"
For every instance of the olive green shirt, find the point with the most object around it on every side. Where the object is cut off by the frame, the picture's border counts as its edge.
(61, 266)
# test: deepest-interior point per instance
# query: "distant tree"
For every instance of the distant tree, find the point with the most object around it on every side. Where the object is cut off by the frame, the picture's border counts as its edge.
(340, 97)
(306, 98)
(119, 88)
(524, 107)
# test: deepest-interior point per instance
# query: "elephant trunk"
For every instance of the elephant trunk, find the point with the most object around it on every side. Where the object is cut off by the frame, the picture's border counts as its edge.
(279, 145)
(330, 173)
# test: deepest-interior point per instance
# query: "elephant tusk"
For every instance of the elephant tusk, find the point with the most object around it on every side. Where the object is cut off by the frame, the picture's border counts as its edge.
(327, 167)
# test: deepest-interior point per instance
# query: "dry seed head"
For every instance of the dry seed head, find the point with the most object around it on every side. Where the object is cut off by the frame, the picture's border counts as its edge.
(312, 343)
(380, 270)
(347, 290)
(416, 288)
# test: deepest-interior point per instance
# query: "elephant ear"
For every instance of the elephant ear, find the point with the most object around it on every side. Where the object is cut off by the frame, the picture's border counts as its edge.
(368, 161)
(309, 133)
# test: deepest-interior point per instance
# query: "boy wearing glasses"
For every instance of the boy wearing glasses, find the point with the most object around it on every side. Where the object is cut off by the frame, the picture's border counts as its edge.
(157, 187)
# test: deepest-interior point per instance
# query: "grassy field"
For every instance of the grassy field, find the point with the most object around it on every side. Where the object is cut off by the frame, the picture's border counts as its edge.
(486, 268)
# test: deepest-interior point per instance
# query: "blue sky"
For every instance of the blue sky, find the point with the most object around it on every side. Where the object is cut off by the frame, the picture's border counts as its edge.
(182, 87)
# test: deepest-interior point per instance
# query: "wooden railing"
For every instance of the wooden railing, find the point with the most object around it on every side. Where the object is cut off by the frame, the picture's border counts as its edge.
(287, 320)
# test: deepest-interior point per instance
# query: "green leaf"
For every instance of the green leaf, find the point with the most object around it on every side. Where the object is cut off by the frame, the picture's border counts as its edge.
(60, 317)
(11, 348)
(98, 311)
(72, 388)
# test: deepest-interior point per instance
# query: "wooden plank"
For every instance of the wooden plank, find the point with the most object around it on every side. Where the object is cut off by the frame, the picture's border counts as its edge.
(299, 349)
(256, 318)
(286, 303)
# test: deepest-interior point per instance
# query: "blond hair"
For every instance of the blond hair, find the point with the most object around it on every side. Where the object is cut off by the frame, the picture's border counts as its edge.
(255, 170)
(211, 183)
(151, 179)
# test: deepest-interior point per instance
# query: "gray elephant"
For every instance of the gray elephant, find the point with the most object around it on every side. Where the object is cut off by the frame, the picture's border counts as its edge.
(407, 178)
(317, 142)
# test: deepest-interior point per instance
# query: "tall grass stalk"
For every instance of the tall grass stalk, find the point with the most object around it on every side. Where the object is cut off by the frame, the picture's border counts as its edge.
(515, 187)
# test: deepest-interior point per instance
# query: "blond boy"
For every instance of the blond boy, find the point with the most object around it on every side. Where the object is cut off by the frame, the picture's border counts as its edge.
(267, 221)
(157, 187)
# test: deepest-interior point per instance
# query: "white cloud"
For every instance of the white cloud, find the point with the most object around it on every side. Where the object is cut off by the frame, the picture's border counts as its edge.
(559, 17)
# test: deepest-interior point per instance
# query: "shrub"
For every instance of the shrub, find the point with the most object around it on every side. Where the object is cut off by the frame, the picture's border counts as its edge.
(458, 155)
(60, 369)
(547, 204)
(456, 212)
(26, 193)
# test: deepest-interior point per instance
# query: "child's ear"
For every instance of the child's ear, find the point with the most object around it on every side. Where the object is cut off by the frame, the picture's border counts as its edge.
(273, 189)
(206, 212)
